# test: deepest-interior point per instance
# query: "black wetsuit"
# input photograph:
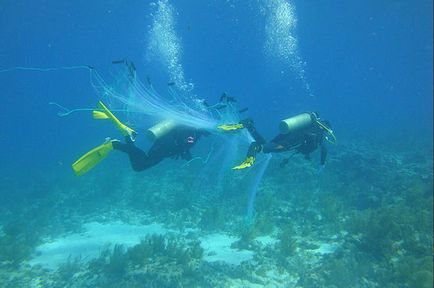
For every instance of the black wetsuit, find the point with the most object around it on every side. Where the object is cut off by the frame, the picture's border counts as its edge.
(176, 143)
(304, 141)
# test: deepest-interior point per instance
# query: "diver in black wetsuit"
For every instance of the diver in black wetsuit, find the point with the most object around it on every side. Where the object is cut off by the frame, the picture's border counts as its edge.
(176, 144)
(170, 140)
(303, 133)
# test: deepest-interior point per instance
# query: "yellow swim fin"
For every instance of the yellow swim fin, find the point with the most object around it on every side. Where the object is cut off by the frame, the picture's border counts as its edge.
(96, 114)
(91, 158)
(246, 163)
(230, 127)
(126, 131)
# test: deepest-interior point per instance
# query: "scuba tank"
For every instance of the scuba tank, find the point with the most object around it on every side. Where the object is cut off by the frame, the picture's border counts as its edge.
(160, 129)
(297, 123)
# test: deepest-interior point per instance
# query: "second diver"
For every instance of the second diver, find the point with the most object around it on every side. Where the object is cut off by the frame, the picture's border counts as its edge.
(303, 133)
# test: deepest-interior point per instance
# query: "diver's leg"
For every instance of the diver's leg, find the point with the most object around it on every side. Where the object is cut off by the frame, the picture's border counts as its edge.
(138, 158)
(118, 145)
(254, 149)
(248, 123)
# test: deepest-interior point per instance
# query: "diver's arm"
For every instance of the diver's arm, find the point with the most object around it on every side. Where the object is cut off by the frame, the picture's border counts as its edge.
(281, 143)
(274, 147)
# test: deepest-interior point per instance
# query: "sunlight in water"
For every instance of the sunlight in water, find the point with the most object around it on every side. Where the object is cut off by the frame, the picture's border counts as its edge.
(281, 43)
(164, 45)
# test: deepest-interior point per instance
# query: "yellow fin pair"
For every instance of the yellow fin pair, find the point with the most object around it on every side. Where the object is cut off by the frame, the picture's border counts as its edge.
(97, 154)
(246, 163)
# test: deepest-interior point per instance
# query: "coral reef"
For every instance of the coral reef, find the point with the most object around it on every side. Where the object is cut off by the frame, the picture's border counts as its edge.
(338, 229)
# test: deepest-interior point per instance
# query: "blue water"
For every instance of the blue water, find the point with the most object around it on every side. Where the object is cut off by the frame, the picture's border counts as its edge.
(364, 65)
(369, 64)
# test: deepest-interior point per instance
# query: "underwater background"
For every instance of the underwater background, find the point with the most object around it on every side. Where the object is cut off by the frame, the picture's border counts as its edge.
(365, 221)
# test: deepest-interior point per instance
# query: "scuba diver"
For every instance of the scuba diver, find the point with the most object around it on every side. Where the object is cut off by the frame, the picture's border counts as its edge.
(303, 133)
(170, 140)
